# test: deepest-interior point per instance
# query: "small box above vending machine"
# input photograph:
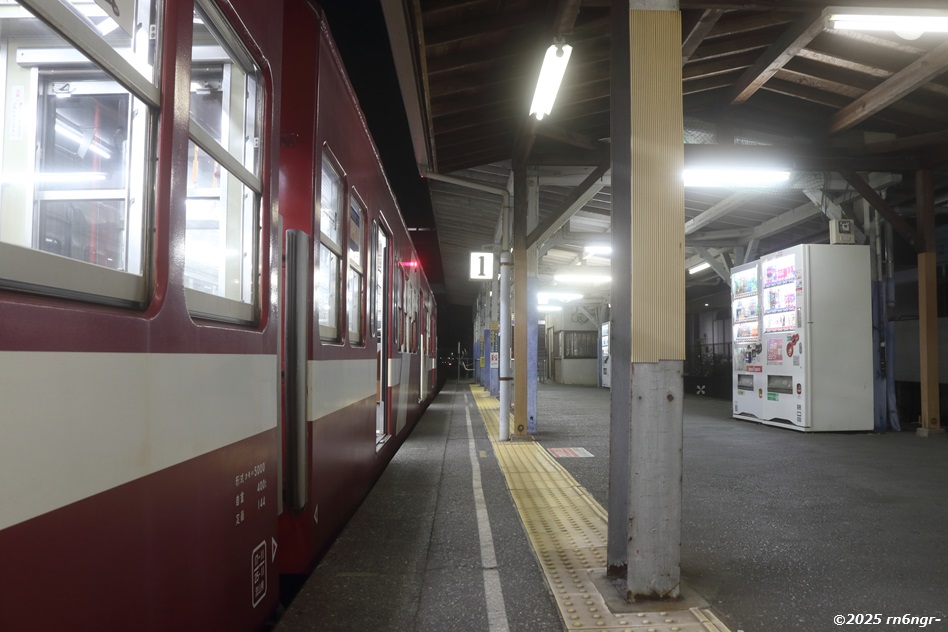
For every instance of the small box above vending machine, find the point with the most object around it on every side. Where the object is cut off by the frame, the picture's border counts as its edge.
(841, 231)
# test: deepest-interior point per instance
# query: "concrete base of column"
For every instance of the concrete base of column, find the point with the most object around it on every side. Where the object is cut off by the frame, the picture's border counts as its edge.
(655, 466)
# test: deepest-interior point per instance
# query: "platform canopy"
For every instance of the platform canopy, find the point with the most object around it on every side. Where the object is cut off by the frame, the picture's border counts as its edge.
(766, 79)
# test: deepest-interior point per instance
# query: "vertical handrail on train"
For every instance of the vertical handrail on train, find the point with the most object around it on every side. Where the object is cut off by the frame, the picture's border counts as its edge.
(296, 345)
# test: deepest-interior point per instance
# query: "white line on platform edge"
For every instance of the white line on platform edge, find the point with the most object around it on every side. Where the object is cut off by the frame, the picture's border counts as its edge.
(496, 610)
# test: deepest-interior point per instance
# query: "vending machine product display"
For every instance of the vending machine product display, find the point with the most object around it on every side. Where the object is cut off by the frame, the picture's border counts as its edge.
(803, 339)
(745, 315)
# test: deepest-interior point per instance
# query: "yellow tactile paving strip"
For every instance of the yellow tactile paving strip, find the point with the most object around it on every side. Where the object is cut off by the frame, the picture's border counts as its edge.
(567, 529)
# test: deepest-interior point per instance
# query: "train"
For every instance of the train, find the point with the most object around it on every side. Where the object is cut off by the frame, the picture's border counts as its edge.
(214, 328)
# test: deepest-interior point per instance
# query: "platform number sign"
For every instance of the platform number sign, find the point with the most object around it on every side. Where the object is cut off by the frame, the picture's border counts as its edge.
(482, 265)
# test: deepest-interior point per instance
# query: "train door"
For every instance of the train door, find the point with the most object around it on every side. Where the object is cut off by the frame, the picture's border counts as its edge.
(296, 342)
(423, 347)
(380, 292)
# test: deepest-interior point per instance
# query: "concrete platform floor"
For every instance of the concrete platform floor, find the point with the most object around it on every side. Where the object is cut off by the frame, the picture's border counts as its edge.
(781, 532)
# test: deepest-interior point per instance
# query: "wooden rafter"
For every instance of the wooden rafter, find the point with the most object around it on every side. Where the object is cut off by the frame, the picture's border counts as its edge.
(705, 23)
(468, 29)
(755, 40)
(566, 13)
(887, 212)
(891, 90)
(719, 210)
(907, 142)
(573, 202)
(554, 132)
(793, 39)
(718, 65)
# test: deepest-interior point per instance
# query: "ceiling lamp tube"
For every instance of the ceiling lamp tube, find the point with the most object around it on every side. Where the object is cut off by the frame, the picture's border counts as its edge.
(893, 20)
(597, 251)
(735, 178)
(582, 279)
(544, 297)
(551, 75)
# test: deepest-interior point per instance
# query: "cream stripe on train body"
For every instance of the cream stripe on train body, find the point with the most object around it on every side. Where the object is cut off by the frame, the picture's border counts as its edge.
(337, 384)
(104, 419)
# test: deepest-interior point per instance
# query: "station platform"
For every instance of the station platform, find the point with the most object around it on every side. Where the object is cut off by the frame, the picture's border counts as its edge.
(781, 531)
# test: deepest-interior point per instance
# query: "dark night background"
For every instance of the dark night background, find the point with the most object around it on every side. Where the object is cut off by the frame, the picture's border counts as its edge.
(359, 30)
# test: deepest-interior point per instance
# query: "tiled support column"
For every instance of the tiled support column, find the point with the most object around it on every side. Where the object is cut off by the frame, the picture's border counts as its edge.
(657, 243)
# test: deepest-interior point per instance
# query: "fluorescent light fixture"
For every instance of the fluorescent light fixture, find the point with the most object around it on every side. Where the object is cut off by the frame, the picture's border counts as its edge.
(563, 297)
(601, 251)
(735, 178)
(908, 23)
(592, 279)
(106, 26)
(551, 75)
(699, 268)
(546, 309)
(77, 137)
(52, 177)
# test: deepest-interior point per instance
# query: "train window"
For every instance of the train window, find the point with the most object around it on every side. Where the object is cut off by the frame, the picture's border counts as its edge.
(378, 301)
(75, 171)
(221, 259)
(331, 217)
(354, 287)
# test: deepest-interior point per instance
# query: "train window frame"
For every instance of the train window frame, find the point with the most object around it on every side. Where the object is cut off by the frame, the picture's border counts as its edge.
(330, 250)
(239, 195)
(79, 59)
(380, 274)
(355, 281)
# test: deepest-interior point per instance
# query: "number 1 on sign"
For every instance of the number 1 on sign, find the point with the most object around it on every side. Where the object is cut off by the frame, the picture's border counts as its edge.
(482, 265)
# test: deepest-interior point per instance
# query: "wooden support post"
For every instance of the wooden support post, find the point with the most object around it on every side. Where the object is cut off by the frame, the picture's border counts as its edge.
(927, 305)
(520, 299)
(620, 332)
(658, 300)
(533, 213)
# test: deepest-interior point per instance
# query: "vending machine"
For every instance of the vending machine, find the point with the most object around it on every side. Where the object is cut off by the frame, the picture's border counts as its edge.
(748, 382)
(815, 354)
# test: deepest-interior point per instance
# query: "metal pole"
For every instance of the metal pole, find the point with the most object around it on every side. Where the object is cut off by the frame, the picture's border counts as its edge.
(459, 363)
(505, 377)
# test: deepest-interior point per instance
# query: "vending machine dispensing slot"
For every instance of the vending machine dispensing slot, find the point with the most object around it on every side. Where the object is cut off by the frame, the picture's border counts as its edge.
(782, 384)
(745, 382)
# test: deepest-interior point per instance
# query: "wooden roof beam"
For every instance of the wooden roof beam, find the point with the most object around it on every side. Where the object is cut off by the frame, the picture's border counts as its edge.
(882, 207)
(700, 31)
(719, 210)
(905, 142)
(891, 90)
(793, 39)
(566, 14)
(554, 132)
(493, 24)
(573, 202)
(721, 269)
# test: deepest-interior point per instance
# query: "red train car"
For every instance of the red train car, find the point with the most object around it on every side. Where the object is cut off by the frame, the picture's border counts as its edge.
(213, 330)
